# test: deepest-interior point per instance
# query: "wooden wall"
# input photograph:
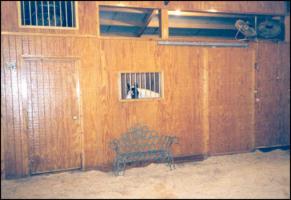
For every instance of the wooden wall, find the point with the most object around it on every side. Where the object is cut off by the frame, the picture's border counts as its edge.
(263, 7)
(273, 95)
(87, 12)
(209, 99)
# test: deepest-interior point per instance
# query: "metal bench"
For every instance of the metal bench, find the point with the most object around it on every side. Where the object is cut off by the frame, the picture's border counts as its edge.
(140, 144)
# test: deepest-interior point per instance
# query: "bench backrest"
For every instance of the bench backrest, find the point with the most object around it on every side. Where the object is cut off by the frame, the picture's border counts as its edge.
(140, 139)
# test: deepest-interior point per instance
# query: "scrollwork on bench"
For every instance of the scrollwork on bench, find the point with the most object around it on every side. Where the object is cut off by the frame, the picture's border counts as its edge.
(142, 144)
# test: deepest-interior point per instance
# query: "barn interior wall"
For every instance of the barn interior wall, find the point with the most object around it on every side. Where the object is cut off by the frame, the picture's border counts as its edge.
(209, 100)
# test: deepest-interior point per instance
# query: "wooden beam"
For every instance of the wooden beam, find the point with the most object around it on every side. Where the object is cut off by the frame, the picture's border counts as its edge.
(174, 23)
(147, 20)
(117, 22)
(207, 14)
(164, 24)
(98, 21)
(124, 9)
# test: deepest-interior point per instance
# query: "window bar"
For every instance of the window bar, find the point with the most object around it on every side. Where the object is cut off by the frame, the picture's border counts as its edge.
(139, 80)
(35, 9)
(23, 19)
(42, 13)
(49, 17)
(66, 12)
(72, 13)
(55, 17)
(61, 18)
(29, 7)
(129, 82)
(125, 85)
(147, 91)
(132, 80)
(145, 85)
(150, 79)
(154, 82)
(159, 85)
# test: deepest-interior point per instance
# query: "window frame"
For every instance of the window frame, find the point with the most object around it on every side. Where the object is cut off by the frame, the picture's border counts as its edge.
(48, 27)
(162, 93)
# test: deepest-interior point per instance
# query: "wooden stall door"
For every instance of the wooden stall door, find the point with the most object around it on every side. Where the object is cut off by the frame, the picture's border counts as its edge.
(272, 107)
(52, 115)
(231, 100)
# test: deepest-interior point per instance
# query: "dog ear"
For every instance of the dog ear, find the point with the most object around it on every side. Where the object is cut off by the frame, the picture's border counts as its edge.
(128, 87)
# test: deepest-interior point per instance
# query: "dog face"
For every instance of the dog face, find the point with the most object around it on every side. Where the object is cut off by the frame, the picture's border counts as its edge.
(133, 91)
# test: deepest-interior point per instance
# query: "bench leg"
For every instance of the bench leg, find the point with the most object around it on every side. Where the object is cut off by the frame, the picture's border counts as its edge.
(170, 161)
(119, 167)
(115, 167)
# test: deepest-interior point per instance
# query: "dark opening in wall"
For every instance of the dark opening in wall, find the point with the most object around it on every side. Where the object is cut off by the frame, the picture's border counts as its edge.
(131, 22)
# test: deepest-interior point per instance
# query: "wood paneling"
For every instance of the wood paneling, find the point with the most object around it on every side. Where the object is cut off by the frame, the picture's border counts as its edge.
(273, 95)
(87, 12)
(263, 7)
(231, 85)
(179, 111)
(11, 109)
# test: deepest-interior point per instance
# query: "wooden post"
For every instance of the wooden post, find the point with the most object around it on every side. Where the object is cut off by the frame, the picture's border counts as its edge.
(97, 20)
(205, 101)
(164, 24)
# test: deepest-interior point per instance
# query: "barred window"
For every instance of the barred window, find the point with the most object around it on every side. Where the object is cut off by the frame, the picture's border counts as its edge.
(48, 13)
(141, 85)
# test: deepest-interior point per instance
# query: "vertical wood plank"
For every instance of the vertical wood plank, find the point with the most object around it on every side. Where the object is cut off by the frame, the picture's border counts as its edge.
(164, 23)
(205, 105)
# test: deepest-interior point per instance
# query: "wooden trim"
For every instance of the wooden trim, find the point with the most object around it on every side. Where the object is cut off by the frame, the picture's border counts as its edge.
(40, 57)
(49, 27)
(7, 33)
(77, 14)
(54, 171)
(231, 152)
(19, 13)
(97, 20)
(254, 49)
(45, 34)
(125, 4)
(81, 114)
(205, 102)
(164, 24)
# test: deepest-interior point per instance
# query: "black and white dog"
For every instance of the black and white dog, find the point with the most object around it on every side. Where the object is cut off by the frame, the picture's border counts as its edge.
(132, 93)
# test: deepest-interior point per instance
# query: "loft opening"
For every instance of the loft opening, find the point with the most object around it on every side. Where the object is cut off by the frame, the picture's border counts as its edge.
(225, 26)
(128, 21)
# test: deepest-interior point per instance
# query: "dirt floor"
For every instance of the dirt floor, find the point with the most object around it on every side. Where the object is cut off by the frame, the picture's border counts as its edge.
(248, 175)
